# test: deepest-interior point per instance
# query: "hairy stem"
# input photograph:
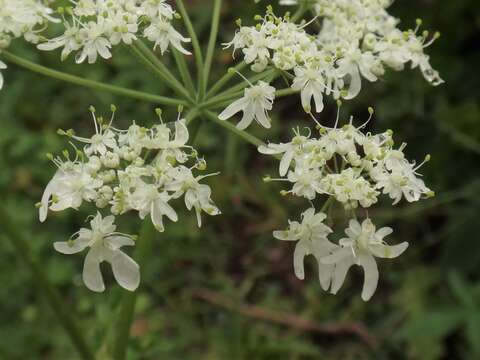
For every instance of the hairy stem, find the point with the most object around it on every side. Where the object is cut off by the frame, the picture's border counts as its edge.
(125, 315)
(196, 48)
(184, 73)
(161, 69)
(230, 127)
(90, 83)
(211, 42)
(226, 78)
(52, 297)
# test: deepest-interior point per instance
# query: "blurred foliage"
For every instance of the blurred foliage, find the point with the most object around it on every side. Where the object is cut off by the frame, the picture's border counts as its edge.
(428, 302)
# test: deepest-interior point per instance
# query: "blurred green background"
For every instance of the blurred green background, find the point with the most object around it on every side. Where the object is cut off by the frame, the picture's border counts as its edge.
(227, 291)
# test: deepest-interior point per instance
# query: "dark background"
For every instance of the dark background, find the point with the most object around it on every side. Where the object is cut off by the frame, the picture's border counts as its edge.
(220, 292)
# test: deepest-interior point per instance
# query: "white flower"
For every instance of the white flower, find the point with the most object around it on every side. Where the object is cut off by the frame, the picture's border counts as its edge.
(69, 187)
(162, 33)
(104, 245)
(148, 200)
(258, 99)
(94, 43)
(362, 244)
(70, 41)
(289, 150)
(197, 196)
(311, 235)
(311, 83)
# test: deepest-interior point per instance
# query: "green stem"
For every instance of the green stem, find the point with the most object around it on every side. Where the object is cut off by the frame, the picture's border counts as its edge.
(226, 78)
(90, 83)
(127, 306)
(53, 298)
(211, 42)
(162, 69)
(196, 48)
(225, 100)
(303, 8)
(230, 127)
(184, 73)
(268, 75)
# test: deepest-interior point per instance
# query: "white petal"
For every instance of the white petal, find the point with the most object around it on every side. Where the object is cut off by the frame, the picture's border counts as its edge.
(301, 250)
(70, 247)
(339, 274)
(125, 270)
(248, 116)
(116, 242)
(92, 277)
(337, 256)
(262, 117)
(284, 235)
(367, 262)
(388, 252)
(232, 109)
(285, 162)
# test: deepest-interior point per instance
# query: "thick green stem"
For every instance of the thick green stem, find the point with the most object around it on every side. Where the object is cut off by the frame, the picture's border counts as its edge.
(90, 83)
(184, 72)
(161, 69)
(125, 316)
(230, 127)
(196, 48)
(52, 297)
(226, 78)
(211, 42)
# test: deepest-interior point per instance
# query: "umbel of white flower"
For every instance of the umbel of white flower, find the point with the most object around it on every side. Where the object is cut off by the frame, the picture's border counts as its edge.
(350, 168)
(103, 244)
(92, 28)
(22, 18)
(136, 170)
(358, 39)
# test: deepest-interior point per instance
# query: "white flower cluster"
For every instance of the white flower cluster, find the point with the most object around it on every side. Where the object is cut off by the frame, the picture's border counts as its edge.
(350, 168)
(138, 169)
(93, 27)
(22, 18)
(358, 38)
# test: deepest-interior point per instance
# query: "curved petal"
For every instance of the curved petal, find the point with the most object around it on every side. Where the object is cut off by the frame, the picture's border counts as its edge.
(325, 275)
(261, 116)
(166, 209)
(285, 162)
(232, 109)
(125, 270)
(248, 116)
(118, 241)
(383, 232)
(388, 252)
(301, 250)
(284, 235)
(337, 256)
(92, 277)
(70, 247)
(339, 274)
(370, 270)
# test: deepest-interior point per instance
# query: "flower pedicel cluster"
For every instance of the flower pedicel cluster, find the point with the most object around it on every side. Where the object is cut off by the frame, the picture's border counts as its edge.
(351, 168)
(93, 27)
(138, 169)
(357, 39)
